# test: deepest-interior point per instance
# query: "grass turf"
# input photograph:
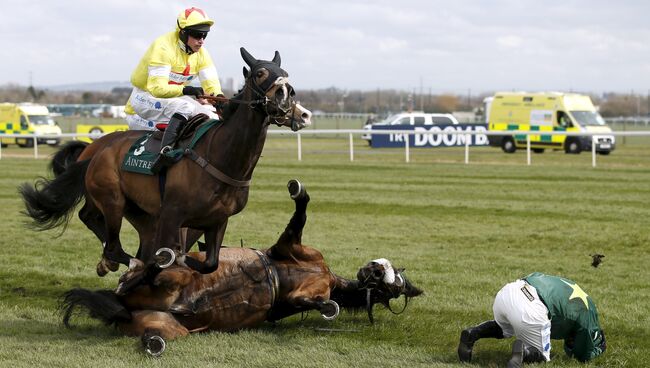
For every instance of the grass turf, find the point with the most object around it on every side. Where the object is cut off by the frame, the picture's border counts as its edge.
(462, 232)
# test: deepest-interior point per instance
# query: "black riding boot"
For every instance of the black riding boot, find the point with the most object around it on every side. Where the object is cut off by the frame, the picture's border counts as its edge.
(175, 123)
(470, 335)
(532, 355)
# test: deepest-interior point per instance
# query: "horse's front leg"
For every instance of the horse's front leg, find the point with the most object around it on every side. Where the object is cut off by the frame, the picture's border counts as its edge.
(213, 240)
(329, 309)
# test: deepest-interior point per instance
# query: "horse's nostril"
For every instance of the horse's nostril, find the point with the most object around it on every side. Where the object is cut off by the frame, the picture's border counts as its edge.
(304, 116)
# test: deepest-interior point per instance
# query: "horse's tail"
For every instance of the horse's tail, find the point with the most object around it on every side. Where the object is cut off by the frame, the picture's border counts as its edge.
(102, 305)
(66, 155)
(50, 202)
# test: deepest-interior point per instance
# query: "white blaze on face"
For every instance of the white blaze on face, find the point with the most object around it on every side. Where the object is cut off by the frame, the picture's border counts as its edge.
(305, 116)
(282, 81)
(389, 273)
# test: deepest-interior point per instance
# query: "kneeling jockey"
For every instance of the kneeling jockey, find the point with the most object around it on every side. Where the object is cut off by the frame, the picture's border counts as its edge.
(535, 310)
(162, 92)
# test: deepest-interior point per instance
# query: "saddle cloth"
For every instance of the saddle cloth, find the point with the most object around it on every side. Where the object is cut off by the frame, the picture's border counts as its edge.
(145, 149)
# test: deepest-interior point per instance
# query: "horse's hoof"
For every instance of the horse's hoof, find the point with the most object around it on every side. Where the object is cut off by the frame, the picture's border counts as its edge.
(154, 345)
(330, 310)
(105, 266)
(128, 281)
(296, 189)
(102, 270)
(165, 257)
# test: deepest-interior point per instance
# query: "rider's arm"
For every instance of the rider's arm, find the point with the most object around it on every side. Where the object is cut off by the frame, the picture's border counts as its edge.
(208, 74)
(584, 345)
(159, 67)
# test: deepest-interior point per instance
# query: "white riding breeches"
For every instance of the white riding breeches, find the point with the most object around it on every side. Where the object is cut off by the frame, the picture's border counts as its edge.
(151, 110)
(520, 313)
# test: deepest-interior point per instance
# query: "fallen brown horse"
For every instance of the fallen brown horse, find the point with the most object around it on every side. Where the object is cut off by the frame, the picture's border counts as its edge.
(201, 191)
(248, 288)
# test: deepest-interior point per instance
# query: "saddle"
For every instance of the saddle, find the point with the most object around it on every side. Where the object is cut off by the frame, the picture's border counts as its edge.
(145, 150)
(182, 139)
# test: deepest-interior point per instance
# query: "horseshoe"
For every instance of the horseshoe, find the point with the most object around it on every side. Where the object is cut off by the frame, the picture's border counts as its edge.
(170, 256)
(336, 310)
(296, 189)
(155, 346)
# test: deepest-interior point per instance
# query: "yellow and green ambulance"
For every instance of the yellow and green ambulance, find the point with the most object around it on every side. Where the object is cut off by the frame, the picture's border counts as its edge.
(28, 118)
(546, 112)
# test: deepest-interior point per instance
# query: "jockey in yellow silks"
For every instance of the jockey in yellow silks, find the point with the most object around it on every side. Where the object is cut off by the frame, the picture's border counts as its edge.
(162, 81)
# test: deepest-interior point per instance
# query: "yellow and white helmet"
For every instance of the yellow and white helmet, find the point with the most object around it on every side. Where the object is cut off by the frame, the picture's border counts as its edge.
(194, 18)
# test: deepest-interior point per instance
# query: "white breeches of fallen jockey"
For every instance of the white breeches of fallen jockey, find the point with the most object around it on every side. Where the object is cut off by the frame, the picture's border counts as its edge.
(151, 110)
(520, 313)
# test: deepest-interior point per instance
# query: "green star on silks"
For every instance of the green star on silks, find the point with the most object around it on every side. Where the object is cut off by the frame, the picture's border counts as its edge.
(578, 293)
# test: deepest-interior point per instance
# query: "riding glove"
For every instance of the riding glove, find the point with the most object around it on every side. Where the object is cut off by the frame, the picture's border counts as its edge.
(193, 91)
(220, 105)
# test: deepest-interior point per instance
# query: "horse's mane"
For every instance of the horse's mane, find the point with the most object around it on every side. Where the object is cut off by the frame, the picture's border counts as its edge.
(231, 108)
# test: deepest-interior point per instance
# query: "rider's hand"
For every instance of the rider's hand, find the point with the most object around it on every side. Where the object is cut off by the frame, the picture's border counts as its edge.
(193, 91)
(220, 105)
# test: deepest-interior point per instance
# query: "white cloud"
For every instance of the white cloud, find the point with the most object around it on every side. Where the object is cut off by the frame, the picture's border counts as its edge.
(509, 41)
(367, 44)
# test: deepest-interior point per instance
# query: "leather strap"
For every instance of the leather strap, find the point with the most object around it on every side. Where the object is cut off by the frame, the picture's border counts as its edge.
(205, 165)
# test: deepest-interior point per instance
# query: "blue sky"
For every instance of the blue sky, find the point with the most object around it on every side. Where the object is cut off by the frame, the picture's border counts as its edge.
(439, 46)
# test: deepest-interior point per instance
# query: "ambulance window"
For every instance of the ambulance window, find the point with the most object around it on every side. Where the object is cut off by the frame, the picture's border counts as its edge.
(418, 120)
(563, 119)
(23, 122)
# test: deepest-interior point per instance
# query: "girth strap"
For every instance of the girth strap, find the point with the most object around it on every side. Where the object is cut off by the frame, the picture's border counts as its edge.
(272, 276)
(216, 173)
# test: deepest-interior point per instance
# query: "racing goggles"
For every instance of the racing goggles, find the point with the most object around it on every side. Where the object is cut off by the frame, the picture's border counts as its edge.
(197, 34)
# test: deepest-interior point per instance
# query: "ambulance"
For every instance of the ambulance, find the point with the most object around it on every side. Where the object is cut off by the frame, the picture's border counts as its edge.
(97, 130)
(28, 118)
(546, 112)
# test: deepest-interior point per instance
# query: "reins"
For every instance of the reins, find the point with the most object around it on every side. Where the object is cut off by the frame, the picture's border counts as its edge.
(213, 171)
(263, 101)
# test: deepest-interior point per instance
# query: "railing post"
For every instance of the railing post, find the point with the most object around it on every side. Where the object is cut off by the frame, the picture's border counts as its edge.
(35, 147)
(593, 151)
(406, 146)
(351, 149)
(467, 138)
(299, 147)
(528, 148)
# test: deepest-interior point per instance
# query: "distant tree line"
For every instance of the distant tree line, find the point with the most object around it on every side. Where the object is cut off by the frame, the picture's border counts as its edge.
(329, 100)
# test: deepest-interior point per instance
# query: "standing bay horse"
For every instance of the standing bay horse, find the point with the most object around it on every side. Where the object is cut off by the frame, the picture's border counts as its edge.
(200, 193)
(249, 287)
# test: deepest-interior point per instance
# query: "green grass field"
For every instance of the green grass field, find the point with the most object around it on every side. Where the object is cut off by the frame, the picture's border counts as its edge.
(462, 232)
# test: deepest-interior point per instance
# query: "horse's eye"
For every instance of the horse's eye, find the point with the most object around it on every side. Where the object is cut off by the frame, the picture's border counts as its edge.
(260, 74)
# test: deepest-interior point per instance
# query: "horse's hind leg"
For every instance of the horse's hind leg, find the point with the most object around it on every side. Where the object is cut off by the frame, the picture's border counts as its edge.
(111, 202)
(94, 220)
(154, 328)
(292, 234)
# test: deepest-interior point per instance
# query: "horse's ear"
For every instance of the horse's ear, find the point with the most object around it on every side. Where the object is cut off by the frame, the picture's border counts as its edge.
(248, 58)
(246, 72)
(276, 58)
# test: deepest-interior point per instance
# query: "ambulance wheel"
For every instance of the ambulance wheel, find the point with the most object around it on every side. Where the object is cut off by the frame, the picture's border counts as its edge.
(572, 146)
(508, 145)
(4, 145)
(95, 133)
(28, 144)
(538, 150)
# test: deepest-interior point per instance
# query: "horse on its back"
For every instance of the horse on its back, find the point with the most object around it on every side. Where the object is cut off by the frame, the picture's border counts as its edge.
(248, 288)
